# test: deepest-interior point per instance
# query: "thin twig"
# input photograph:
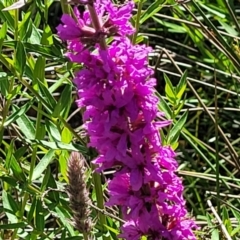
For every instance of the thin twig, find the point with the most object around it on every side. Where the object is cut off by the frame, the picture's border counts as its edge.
(224, 230)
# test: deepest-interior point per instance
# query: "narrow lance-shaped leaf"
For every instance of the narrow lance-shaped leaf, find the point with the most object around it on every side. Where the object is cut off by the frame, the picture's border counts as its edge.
(20, 60)
(40, 222)
(151, 10)
(3, 32)
(43, 164)
(18, 113)
(175, 131)
(25, 125)
(10, 207)
(181, 87)
(170, 91)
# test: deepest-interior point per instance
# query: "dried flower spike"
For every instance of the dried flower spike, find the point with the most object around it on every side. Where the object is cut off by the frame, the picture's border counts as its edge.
(78, 193)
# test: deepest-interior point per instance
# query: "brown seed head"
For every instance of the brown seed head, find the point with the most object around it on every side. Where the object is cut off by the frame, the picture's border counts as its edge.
(78, 193)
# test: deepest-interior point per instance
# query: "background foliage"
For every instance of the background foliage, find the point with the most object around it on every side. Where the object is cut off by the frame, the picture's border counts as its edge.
(196, 57)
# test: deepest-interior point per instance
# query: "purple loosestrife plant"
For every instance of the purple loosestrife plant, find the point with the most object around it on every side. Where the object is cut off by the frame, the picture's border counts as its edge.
(116, 88)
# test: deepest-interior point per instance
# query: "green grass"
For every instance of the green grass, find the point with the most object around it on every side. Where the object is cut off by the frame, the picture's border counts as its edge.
(195, 44)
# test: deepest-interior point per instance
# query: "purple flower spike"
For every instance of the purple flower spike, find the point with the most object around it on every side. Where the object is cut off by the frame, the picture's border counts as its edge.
(116, 88)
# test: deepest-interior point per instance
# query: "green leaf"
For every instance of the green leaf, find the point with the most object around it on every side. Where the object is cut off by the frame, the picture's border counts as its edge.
(174, 145)
(46, 94)
(63, 236)
(215, 234)
(4, 84)
(41, 132)
(8, 156)
(229, 29)
(47, 37)
(165, 108)
(12, 163)
(25, 125)
(39, 216)
(61, 80)
(3, 76)
(236, 215)
(151, 10)
(17, 170)
(180, 105)
(171, 26)
(25, 27)
(72, 238)
(3, 32)
(45, 179)
(20, 60)
(66, 135)
(39, 72)
(35, 38)
(20, 152)
(63, 216)
(37, 20)
(13, 225)
(43, 164)
(9, 180)
(53, 195)
(6, 16)
(53, 131)
(30, 214)
(10, 207)
(63, 159)
(14, 92)
(49, 2)
(58, 145)
(18, 113)
(235, 231)
(170, 91)
(181, 87)
(113, 230)
(175, 131)
(45, 51)
(226, 219)
(64, 103)
(214, 12)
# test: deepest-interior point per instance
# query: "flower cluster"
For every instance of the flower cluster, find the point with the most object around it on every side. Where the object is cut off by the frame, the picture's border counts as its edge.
(122, 120)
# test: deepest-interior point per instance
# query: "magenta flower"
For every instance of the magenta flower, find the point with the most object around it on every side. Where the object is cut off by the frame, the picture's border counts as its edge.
(71, 29)
(116, 88)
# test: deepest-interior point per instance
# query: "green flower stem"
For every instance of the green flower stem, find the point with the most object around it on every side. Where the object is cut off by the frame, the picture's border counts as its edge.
(16, 17)
(100, 200)
(137, 22)
(65, 7)
(34, 152)
(46, 11)
(6, 109)
(85, 236)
